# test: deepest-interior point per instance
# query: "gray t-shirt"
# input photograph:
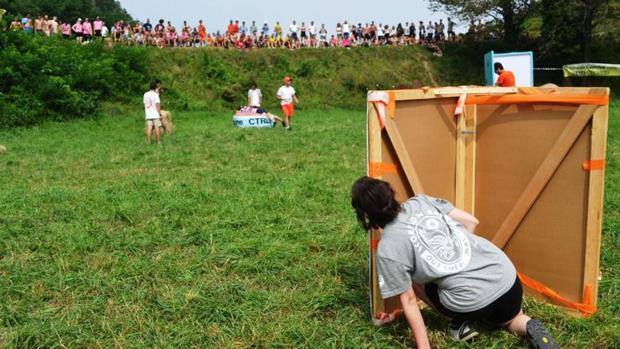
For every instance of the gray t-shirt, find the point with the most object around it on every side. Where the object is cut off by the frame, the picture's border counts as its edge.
(423, 244)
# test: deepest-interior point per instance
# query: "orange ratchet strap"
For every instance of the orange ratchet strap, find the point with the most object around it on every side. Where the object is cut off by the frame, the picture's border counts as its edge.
(587, 307)
(538, 98)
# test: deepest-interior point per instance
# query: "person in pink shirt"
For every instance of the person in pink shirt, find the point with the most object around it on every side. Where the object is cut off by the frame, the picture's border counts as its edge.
(65, 29)
(97, 26)
(78, 29)
(87, 29)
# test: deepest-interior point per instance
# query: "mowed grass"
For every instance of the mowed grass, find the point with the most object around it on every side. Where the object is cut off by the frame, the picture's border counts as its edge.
(222, 237)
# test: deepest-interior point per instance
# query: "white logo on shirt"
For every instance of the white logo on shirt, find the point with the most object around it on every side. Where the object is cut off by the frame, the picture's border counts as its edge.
(440, 243)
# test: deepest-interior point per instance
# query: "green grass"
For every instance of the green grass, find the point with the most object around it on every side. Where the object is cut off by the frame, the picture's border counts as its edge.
(221, 237)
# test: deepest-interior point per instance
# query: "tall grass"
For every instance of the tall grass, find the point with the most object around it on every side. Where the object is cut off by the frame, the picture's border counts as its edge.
(221, 237)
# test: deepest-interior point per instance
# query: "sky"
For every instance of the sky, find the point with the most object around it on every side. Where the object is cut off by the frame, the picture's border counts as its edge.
(216, 14)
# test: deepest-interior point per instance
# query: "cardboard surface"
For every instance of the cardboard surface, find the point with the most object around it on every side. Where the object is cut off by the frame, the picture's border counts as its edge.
(487, 160)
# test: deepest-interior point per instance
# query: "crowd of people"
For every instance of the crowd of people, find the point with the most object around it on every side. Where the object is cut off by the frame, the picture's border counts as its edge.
(241, 35)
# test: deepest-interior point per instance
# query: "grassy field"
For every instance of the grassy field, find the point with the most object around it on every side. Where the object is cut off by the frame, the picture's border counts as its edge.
(221, 237)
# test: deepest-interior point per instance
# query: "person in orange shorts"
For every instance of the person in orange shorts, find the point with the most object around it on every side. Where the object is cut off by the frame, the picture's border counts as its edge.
(202, 32)
(506, 78)
(287, 97)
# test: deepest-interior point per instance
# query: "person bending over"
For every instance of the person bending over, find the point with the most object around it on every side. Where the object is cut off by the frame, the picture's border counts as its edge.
(428, 251)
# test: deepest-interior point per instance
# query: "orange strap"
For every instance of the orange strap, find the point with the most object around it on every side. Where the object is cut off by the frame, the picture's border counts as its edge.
(373, 244)
(378, 169)
(538, 98)
(396, 313)
(587, 307)
(593, 165)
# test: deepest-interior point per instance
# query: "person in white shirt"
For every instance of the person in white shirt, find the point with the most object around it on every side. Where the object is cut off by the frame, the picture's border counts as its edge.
(287, 97)
(312, 31)
(255, 97)
(293, 29)
(152, 110)
(346, 29)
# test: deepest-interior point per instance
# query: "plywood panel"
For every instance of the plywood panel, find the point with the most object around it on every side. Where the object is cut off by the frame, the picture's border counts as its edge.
(552, 232)
(511, 143)
(428, 129)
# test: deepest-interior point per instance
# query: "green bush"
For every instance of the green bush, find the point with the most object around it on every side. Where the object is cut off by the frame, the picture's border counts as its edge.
(55, 79)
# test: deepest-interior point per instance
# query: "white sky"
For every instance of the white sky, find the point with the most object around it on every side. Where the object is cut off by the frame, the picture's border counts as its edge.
(216, 14)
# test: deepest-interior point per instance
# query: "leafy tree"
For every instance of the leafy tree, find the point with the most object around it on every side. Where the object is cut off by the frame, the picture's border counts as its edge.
(569, 27)
(511, 14)
(69, 10)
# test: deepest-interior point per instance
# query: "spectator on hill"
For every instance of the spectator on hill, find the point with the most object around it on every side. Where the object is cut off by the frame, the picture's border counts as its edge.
(97, 26)
(152, 110)
(104, 30)
(15, 25)
(451, 33)
(53, 25)
(293, 29)
(421, 31)
(87, 29)
(65, 29)
(38, 25)
(287, 96)
(265, 29)
(506, 78)
(78, 30)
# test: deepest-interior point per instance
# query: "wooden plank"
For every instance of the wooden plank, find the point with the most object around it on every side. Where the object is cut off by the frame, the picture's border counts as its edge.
(374, 156)
(470, 159)
(544, 173)
(595, 201)
(483, 90)
(461, 161)
(407, 95)
(403, 156)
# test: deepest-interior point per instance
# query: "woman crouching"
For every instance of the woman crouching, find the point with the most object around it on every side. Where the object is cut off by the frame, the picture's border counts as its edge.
(428, 251)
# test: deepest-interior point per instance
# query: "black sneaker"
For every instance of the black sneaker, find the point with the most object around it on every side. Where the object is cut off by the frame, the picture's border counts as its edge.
(539, 336)
(462, 331)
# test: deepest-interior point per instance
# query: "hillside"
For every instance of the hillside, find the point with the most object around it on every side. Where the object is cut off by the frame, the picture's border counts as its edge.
(55, 79)
(323, 78)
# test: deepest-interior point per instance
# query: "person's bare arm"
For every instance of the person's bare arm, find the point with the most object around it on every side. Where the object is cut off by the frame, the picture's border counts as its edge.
(296, 99)
(158, 105)
(414, 318)
(470, 222)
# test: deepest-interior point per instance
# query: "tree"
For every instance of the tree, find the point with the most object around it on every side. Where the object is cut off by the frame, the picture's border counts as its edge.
(110, 10)
(569, 26)
(509, 13)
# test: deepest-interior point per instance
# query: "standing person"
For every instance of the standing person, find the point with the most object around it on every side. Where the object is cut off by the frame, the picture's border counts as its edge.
(421, 31)
(451, 33)
(16, 25)
(152, 110)
(312, 31)
(286, 95)
(255, 97)
(265, 29)
(293, 29)
(87, 30)
(202, 32)
(53, 25)
(65, 29)
(78, 30)
(429, 251)
(506, 78)
(97, 26)
(323, 36)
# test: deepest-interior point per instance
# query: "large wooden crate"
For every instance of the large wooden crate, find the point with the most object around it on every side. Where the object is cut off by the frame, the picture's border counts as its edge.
(528, 163)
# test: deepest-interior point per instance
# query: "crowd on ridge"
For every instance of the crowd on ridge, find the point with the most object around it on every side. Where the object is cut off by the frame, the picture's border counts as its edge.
(242, 35)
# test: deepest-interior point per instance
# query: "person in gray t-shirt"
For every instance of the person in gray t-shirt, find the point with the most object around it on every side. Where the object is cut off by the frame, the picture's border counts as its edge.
(428, 251)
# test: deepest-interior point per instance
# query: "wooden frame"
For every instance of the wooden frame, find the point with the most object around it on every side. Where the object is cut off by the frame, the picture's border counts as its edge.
(529, 163)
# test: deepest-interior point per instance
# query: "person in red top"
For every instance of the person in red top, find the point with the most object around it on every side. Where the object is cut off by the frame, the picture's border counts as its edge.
(506, 78)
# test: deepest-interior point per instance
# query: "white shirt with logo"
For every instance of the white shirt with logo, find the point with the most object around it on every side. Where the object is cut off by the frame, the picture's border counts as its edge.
(151, 99)
(424, 244)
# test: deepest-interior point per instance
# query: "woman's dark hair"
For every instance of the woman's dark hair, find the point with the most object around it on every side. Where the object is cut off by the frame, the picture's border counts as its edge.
(374, 202)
